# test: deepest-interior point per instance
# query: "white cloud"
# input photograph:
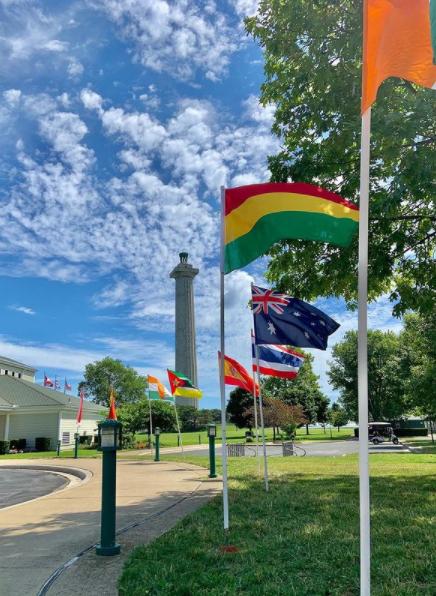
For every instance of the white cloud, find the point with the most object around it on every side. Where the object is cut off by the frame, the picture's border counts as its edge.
(75, 69)
(24, 309)
(12, 96)
(180, 37)
(91, 100)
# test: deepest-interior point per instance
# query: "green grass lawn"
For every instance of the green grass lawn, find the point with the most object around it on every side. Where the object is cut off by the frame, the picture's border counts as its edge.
(236, 435)
(302, 538)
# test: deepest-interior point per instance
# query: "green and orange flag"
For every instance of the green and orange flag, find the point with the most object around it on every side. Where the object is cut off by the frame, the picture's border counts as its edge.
(399, 40)
(258, 215)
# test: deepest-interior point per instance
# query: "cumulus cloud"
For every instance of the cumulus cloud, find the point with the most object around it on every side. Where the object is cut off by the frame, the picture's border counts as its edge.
(179, 37)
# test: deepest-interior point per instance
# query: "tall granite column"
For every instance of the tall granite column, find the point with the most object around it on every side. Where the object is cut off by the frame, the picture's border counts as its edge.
(186, 350)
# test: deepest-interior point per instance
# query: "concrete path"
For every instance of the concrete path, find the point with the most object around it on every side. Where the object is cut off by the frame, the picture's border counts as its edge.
(36, 538)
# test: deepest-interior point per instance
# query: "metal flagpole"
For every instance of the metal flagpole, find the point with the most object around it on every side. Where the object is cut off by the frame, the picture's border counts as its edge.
(150, 417)
(255, 417)
(178, 425)
(265, 462)
(222, 384)
(362, 359)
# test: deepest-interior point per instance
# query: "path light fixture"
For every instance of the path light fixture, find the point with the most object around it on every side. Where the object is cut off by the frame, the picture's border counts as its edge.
(157, 446)
(211, 433)
(109, 441)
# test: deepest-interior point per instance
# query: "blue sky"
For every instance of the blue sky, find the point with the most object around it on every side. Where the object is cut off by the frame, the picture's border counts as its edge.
(119, 121)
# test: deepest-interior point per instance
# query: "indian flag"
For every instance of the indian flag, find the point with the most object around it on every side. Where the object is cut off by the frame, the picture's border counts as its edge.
(399, 40)
(157, 390)
(258, 215)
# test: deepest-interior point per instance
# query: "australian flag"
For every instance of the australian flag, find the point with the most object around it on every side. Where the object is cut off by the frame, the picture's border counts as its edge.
(280, 319)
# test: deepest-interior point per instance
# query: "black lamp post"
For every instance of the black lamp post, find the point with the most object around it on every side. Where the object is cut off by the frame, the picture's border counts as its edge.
(109, 441)
(211, 433)
(157, 446)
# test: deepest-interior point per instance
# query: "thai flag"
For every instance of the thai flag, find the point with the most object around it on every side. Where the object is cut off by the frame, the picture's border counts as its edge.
(277, 361)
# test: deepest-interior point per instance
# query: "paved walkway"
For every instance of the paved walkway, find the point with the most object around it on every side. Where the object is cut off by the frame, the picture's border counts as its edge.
(38, 537)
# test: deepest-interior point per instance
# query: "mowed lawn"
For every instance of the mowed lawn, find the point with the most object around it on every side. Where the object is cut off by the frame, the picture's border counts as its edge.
(236, 435)
(302, 538)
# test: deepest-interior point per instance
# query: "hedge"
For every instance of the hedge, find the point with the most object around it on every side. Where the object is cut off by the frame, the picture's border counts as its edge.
(4, 447)
(42, 444)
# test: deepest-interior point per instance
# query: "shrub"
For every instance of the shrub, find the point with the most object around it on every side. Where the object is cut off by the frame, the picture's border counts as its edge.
(42, 444)
(13, 444)
(4, 447)
(22, 443)
(128, 441)
(290, 431)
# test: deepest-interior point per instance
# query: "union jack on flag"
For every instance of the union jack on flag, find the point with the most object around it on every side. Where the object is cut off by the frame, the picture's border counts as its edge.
(264, 299)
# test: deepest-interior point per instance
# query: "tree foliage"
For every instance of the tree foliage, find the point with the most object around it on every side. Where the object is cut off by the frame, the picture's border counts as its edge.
(418, 348)
(240, 408)
(101, 375)
(302, 391)
(136, 416)
(337, 416)
(312, 52)
(386, 375)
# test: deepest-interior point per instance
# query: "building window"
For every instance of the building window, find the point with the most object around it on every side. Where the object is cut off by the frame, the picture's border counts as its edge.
(13, 373)
(65, 438)
(19, 375)
(6, 372)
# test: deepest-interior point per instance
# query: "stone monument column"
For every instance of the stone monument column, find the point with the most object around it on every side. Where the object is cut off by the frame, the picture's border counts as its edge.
(186, 350)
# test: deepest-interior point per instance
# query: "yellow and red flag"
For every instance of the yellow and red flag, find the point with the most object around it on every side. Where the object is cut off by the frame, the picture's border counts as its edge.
(397, 42)
(236, 374)
(112, 410)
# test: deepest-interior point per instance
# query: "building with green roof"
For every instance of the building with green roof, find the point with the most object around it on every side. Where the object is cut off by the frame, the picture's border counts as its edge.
(28, 410)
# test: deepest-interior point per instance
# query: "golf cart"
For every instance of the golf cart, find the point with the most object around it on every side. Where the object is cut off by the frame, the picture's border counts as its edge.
(381, 432)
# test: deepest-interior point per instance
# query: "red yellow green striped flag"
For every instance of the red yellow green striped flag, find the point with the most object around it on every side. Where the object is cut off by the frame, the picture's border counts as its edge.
(258, 215)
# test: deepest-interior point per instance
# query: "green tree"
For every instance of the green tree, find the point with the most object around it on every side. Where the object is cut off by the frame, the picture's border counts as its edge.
(136, 416)
(418, 348)
(386, 385)
(240, 408)
(312, 51)
(337, 416)
(302, 391)
(101, 375)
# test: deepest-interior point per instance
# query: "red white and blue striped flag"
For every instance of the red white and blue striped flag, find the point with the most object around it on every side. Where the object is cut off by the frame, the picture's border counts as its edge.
(277, 361)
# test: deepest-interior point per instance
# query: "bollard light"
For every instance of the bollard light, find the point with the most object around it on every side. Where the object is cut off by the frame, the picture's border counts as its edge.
(109, 441)
(211, 433)
(156, 441)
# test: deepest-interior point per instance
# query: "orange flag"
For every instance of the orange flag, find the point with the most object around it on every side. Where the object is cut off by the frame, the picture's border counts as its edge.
(397, 42)
(236, 374)
(112, 410)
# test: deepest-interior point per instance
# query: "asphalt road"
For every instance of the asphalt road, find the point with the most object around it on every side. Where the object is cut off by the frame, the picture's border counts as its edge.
(317, 448)
(17, 486)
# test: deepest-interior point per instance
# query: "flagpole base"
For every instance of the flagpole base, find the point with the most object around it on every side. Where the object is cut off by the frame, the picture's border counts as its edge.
(108, 551)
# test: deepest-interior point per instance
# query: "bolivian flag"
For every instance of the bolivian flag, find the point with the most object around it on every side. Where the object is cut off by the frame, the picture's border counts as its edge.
(182, 386)
(399, 40)
(258, 215)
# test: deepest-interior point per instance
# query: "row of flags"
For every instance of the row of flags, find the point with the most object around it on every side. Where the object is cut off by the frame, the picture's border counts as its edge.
(56, 383)
(279, 322)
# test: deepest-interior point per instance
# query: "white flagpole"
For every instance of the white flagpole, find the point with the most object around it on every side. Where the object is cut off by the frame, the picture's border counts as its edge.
(222, 384)
(150, 418)
(255, 414)
(178, 425)
(362, 359)
(265, 461)
(255, 423)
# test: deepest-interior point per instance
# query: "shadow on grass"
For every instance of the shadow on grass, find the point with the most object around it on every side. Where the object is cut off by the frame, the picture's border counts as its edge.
(302, 538)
